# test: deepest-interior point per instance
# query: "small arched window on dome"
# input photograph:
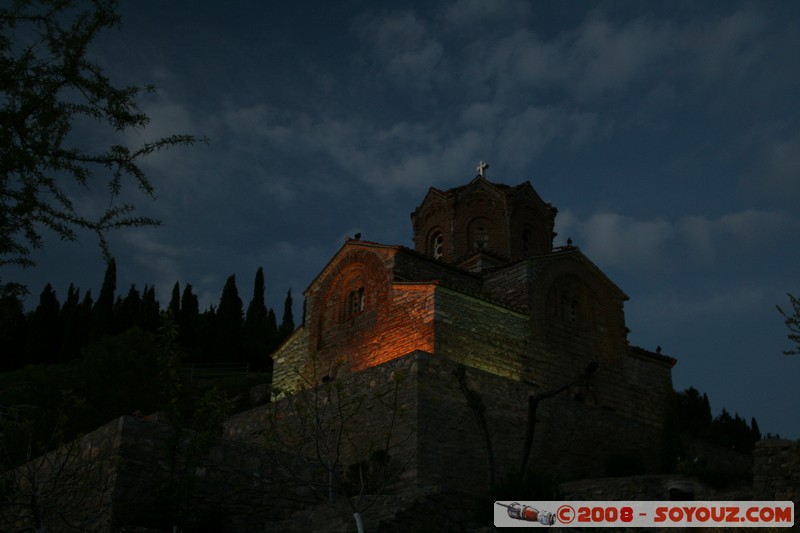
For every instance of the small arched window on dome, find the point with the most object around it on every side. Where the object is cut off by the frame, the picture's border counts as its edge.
(479, 234)
(437, 245)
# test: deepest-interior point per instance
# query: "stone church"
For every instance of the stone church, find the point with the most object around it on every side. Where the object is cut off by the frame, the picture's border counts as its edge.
(485, 293)
(406, 392)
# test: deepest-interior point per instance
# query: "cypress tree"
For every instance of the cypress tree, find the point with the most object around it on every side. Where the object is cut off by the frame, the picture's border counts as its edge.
(13, 325)
(44, 329)
(755, 433)
(272, 331)
(127, 310)
(229, 323)
(287, 323)
(70, 347)
(208, 335)
(175, 303)
(76, 322)
(102, 313)
(148, 317)
(189, 324)
(256, 331)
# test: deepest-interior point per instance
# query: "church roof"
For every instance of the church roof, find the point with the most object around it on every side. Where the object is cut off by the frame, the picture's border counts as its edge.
(499, 188)
(457, 190)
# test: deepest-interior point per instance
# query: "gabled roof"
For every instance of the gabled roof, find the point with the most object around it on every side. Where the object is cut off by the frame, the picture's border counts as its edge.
(575, 253)
(349, 243)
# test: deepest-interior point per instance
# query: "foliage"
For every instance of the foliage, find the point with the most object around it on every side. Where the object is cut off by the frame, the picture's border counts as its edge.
(12, 330)
(56, 333)
(103, 310)
(260, 329)
(49, 89)
(229, 322)
(671, 448)
(197, 423)
(729, 431)
(114, 377)
(694, 412)
(287, 322)
(792, 321)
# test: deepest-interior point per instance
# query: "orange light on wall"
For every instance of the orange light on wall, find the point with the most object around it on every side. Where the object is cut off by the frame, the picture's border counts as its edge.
(402, 325)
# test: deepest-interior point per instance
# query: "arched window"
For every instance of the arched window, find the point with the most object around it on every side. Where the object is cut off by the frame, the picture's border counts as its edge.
(354, 303)
(438, 246)
(479, 234)
(527, 241)
(570, 301)
(569, 305)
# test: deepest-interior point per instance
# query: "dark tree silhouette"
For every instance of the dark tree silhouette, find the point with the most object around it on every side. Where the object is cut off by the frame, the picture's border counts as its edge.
(44, 329)
(12, 331)
(148, 317)
(189, 324)
(694, 413)
(76, 324)
(174, 307)
(272, 328)
(47, 86)
(287, 322)
(126, 310)
(229, 323)
(256, 327)
(103, 311)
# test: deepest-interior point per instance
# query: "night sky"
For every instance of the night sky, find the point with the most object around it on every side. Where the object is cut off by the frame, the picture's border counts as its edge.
(667, 134)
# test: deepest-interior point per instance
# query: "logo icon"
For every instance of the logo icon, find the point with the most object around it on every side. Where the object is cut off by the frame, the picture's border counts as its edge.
(528, 513)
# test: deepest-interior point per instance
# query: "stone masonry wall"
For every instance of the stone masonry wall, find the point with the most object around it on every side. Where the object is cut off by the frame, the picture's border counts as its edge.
(73, 486)
(510, 285)
(571, 439)
(480, 334)
(777, 470)
(449, 447)
(289, 360)
(119, 477)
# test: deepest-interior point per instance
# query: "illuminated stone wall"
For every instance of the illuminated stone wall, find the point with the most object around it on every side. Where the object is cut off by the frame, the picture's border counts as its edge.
(482, 334)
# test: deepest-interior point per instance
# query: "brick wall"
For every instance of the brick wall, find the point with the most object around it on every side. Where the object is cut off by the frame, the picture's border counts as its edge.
(514, 221)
